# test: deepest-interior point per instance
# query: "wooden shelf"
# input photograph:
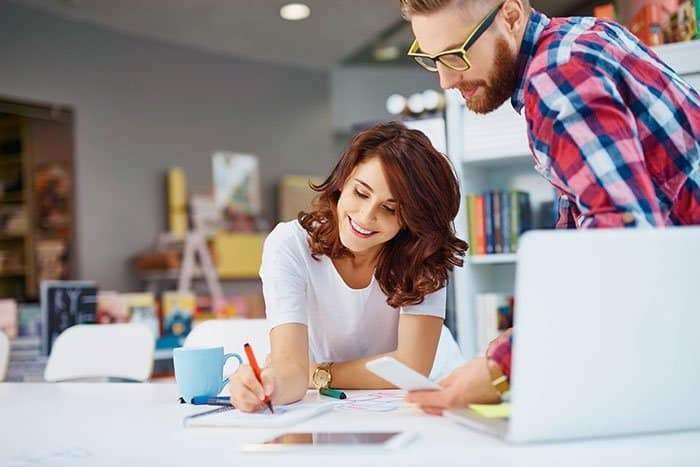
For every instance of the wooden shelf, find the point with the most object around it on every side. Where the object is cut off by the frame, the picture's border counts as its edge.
(12, 236)
(10, 160)
(498, 258)
(6, 274)
(498, 161)
(12, 198)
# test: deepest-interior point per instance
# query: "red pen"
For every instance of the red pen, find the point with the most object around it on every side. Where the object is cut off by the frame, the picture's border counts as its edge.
(256, 370)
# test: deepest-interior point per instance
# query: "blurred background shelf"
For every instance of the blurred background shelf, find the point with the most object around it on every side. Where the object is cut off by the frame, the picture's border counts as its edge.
(500, 258)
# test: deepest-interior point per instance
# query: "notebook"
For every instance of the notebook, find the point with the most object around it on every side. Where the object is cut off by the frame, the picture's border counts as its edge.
(285, 415)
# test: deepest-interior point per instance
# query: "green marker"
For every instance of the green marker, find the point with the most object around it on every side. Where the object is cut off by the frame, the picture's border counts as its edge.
(332, 393)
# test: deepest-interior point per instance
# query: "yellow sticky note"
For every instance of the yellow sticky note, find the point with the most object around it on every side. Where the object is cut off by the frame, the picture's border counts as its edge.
(492, 410)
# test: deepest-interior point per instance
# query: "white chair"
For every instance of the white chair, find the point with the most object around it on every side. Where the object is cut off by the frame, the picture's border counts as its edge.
(448, 356)
(102, 351)
(4, 355)
(232, 334)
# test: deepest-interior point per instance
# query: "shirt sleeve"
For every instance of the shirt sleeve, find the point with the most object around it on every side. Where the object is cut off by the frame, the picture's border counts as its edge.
(590, 141)
(284, 278)
(500, 350)
(434, 304)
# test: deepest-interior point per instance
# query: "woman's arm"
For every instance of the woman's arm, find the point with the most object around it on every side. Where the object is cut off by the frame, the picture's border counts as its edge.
(417, 343)
(284, 375)
(290, 360)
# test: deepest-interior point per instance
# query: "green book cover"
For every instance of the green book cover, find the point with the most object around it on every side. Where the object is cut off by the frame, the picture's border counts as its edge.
(514, 220)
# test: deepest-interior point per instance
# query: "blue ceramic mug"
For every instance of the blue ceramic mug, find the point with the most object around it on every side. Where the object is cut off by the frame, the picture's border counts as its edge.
(199, 372)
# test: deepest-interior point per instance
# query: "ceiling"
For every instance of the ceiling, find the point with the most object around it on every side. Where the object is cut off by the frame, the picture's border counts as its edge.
(253, 29)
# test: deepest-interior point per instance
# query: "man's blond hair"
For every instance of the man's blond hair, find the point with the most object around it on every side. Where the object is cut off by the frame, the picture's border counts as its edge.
(424, 7)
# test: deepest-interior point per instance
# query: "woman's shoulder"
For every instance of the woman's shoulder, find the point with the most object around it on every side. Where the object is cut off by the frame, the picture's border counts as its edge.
(290, 236)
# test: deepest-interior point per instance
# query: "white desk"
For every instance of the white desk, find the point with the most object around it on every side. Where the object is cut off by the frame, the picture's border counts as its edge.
(105, 424)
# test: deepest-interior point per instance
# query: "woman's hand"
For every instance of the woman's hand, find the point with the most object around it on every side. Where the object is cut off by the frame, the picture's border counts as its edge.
(468, 384)
(247, 394)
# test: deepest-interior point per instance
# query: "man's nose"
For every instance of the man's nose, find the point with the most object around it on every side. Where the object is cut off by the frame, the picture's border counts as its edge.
(449, 78)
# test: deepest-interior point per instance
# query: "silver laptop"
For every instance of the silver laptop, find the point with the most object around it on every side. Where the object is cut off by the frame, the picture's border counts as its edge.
(607, 335)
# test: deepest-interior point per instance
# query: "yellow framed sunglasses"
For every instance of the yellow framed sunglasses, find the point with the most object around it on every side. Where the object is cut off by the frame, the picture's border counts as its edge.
(456, 59)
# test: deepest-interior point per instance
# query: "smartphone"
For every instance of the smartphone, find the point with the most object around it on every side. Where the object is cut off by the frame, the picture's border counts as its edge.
(400, 375)
(295, 441)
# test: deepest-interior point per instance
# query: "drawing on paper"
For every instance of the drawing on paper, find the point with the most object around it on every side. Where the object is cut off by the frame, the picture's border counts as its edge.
(372, 402)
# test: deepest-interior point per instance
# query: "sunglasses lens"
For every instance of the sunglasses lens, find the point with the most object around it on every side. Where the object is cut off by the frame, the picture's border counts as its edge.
(427, 63)
(454, 61)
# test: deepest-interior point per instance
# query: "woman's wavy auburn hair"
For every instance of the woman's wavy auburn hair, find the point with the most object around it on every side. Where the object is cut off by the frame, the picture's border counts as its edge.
(417, 260)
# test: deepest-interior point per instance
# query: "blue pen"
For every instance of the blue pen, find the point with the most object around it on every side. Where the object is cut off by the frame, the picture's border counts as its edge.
(206, 400)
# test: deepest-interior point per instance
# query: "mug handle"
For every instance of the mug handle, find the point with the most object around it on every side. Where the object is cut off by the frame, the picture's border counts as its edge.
(226, 357)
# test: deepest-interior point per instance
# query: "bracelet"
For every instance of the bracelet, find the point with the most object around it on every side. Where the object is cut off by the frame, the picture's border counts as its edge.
(499, 380)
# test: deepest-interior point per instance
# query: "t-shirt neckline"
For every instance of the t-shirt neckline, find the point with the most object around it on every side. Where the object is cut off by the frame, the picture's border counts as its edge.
(329, 261)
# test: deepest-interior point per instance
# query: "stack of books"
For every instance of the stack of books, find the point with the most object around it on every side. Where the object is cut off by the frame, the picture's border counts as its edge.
(496, 221)
(27, 361)
(494, 314)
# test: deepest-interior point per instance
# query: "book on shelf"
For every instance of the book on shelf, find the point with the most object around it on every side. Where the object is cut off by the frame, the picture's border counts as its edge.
(141, 308)
(64, 304)
(178, 310)
(494, 314)
(496, 219)
(111, 307)
(8, 317)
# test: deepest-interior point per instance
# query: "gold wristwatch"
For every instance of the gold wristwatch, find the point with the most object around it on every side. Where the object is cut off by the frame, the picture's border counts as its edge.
(499, 381)
(322, 375)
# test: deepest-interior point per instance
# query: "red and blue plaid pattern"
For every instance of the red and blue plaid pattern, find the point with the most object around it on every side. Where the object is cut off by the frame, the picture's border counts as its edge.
(613, 128)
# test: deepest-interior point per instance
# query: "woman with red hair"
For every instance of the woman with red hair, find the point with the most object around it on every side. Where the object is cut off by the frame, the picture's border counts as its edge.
(362, 274)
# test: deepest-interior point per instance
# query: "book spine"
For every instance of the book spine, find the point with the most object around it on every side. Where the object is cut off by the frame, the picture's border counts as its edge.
(515, 221)
(479, 225)
(488, 221)
(497, 221)
(525, 212)
(471, 222)
(506, 221)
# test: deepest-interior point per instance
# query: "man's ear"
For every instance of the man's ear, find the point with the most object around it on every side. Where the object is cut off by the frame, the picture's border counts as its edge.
(514, 13)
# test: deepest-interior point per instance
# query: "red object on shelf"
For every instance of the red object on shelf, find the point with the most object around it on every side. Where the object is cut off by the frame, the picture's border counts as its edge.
(606, 11)
(646, 24)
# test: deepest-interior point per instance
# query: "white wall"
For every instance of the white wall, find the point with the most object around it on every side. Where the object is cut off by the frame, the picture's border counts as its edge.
(359, 93)
(142, 106)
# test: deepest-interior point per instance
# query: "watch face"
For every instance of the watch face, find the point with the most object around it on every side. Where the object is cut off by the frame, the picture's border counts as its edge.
(321, 378)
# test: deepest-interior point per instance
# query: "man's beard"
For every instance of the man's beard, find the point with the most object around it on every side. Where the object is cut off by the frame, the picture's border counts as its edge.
(502, 82)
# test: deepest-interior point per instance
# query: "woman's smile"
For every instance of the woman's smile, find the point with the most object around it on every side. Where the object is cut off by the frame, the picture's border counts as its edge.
(358, 230)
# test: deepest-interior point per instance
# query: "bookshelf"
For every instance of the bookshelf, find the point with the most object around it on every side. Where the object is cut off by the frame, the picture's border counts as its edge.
(490, 152)
(36, 197)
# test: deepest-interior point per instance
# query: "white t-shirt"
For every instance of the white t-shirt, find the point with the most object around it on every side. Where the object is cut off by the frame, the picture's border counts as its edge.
(343, 323)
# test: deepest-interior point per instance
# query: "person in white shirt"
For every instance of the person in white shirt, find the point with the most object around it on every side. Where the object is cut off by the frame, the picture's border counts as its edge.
(362, 274)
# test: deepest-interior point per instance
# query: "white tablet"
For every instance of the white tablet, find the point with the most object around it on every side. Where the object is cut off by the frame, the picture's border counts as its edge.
(296, 441)
(400, 375)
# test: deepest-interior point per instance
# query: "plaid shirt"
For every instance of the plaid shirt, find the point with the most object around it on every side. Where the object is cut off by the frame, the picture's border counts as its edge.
(614, 129)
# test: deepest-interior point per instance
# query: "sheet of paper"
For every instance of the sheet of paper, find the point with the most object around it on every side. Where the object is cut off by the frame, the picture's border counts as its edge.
(372, 401)
(492, 410)
(285, 415)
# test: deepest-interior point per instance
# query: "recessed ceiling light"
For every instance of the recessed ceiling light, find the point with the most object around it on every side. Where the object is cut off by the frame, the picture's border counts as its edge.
(295, 11)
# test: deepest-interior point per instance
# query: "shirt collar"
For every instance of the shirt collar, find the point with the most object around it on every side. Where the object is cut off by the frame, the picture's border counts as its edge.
(535, 25)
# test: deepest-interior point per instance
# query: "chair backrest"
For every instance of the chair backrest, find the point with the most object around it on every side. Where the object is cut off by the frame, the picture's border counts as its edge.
(447, 357)
(4, 355)
(231, 334)
(102, 351)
